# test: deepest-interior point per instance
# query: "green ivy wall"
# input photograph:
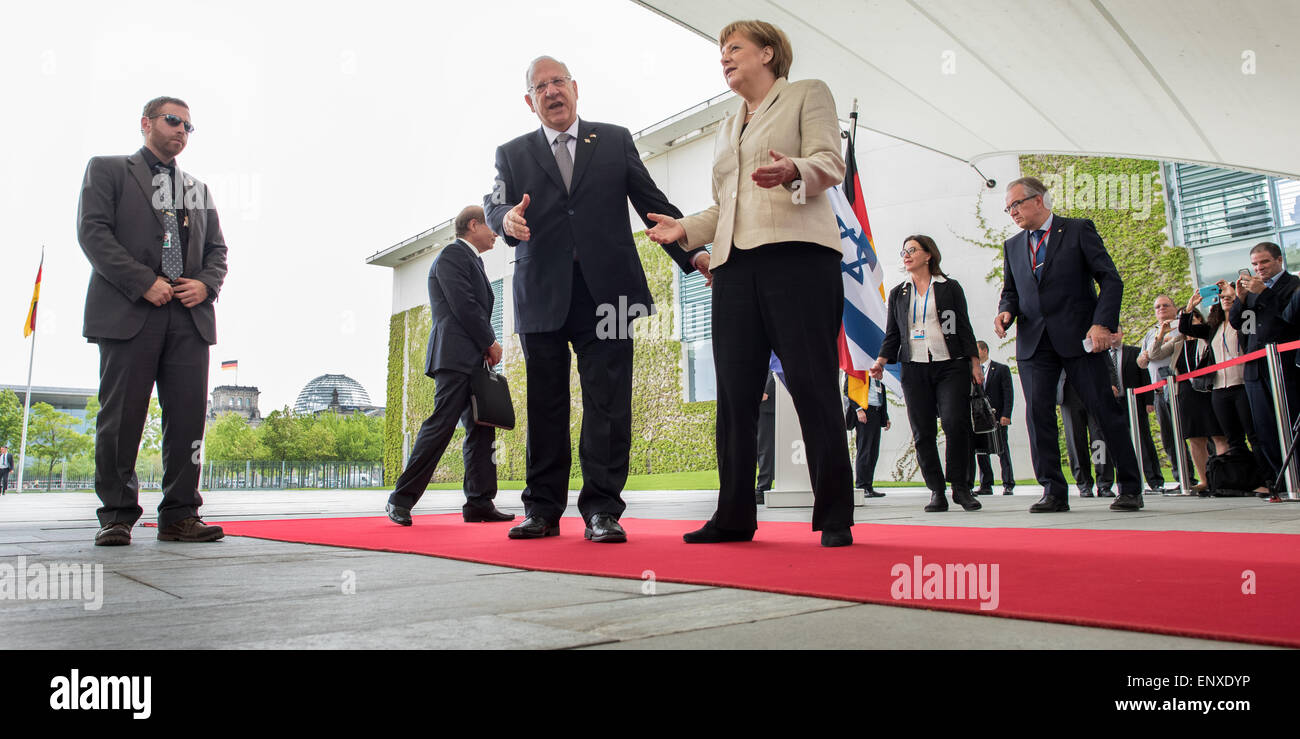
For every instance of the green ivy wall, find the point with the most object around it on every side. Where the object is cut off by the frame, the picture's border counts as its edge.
(668, 434)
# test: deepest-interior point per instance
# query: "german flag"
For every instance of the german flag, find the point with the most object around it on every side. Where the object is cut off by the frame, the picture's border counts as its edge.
(30, 327)
(230, 364)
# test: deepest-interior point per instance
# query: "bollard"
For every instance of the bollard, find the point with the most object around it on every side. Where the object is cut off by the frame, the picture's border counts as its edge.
(1179, 446)
(1282, 416)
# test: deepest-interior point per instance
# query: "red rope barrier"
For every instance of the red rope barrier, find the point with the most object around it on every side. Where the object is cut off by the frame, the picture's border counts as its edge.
(1252, 356)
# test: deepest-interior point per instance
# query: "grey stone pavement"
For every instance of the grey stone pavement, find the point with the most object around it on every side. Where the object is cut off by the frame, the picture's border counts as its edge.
(251, 594)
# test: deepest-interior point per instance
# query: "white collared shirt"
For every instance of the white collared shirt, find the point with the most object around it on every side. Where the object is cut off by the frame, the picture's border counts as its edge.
(573, 138)
(926, 313)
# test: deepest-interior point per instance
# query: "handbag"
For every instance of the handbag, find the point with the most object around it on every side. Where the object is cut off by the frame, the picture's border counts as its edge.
(1204, 383)
(490, 398)
(982, 420)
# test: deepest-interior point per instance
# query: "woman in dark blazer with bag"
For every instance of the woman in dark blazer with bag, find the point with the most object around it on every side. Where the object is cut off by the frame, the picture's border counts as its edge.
(929, 331)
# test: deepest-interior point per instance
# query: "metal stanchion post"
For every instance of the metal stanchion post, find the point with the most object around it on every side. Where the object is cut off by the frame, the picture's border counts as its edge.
(1179, 448)
(1282, 415)
(1134, 430)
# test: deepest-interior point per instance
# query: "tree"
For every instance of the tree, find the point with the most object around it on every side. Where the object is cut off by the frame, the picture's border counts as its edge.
(51, 437)
(11, 419)
(230, 438)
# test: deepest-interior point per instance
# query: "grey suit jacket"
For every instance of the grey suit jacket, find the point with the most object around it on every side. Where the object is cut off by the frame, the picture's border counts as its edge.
(121, 233)
(461, 300)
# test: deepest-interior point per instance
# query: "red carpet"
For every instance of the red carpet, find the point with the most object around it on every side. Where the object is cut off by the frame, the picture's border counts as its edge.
(1167, 582)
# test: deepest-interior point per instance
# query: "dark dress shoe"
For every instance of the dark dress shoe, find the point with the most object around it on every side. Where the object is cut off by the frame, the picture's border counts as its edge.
(872, 494)
(967, 501)
(1085, 493)
(938, 503)
(114, 535)
(1127, 502)
(837, 537)
(1049, 504)
(191, 529)
(489, 514)
(984, 491)
(709, 533)
(604, 527)
(1107, 493)
(398, 515)
(1007, 491)
(534, 527)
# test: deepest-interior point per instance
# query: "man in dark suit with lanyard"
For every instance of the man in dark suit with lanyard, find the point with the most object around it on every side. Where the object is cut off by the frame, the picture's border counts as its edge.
(1052, 271)
(460, 301)
(560, 199)
(158, 260)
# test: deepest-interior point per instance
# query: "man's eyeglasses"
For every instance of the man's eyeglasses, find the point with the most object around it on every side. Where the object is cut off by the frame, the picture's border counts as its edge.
(1016, 205)
(540, 87)
(174, 120)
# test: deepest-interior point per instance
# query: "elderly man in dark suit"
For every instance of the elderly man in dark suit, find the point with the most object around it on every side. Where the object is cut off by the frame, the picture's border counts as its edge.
(461, 340)
(158, 260)
(560, 199)
(1063, 288)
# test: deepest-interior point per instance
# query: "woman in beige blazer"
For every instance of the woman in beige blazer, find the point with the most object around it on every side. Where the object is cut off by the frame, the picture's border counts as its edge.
(775, 273)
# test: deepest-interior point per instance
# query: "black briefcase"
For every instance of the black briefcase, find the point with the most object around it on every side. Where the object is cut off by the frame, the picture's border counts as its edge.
(490, 399)
(982, 419)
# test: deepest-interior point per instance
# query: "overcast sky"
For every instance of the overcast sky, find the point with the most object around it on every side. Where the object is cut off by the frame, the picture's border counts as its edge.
(327, 131)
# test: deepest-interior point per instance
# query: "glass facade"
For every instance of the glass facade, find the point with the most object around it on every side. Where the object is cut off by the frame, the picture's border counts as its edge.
(1220, 214)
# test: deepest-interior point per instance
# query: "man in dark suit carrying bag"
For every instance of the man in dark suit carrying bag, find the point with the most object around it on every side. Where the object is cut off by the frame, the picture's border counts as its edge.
(158, 260)
(461, 340)
(560, 199)
(1062, 287)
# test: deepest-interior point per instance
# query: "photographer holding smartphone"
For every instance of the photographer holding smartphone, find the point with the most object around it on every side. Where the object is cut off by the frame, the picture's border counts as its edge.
(1257, 315)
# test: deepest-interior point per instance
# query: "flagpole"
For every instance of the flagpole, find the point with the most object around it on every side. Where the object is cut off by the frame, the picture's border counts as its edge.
(853, 124)
(27, 409)
(27, 404)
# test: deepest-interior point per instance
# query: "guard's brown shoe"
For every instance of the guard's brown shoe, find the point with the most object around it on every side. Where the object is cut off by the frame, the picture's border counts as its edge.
(190, 529)
(114, 535)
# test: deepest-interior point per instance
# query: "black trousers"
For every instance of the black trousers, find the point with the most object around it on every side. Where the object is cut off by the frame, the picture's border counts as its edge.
(940, 390)
(786, 298)
(1151, 471)
(168, 352)
(451, 404)
(4, 481)
(605, 441)
(867, 438)
(1081, 432)
(1260, 396)
(1089, 377)
(766, 450)
(1232, 411)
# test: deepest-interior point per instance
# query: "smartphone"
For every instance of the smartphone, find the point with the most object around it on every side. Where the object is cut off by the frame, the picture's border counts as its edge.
(1243, 273)
(1209, 292)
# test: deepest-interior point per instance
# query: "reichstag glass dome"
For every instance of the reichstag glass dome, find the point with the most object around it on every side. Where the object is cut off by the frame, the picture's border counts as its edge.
(318, 394)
